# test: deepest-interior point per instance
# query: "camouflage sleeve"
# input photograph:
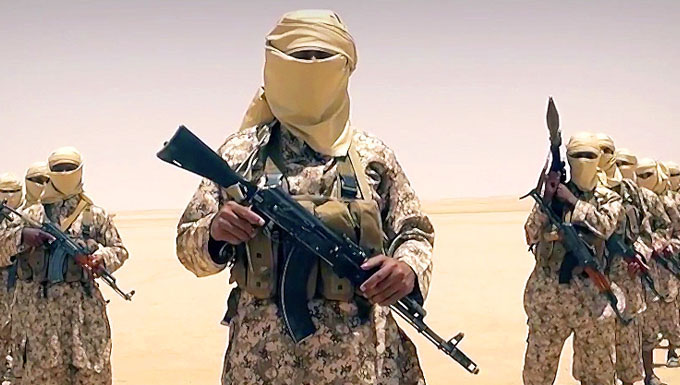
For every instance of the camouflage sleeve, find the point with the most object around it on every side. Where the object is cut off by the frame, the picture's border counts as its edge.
(600, 217)
(672, 211)
(535, 226)
(671, 208)
(110, 246)
(193, 231)
(656, 225)
(10, 241)
(409, 232)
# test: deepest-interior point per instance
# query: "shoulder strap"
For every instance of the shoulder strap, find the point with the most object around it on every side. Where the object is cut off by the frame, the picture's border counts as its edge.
(364, 186)
(83, 205)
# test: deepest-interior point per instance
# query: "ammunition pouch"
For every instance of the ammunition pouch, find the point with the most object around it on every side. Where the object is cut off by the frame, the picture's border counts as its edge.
(34, 265)
(256, 269)
(49, 264)
(350, 211)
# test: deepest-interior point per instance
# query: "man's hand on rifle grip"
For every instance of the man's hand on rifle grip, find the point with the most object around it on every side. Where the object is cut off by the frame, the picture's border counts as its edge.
(235, 224)
(32, 237)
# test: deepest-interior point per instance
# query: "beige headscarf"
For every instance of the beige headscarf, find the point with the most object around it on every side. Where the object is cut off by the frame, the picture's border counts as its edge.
(583, 170)
(63, 185)
(627, 163)
(35, 189)
(658, 179)
(308, 97)
(10, 190)
(673, 174)
(608, 173)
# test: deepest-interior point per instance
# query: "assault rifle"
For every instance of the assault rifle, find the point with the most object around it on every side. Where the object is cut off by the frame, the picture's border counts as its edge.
(617, 246)
(308, 233)
(571, 239)
(64, 247)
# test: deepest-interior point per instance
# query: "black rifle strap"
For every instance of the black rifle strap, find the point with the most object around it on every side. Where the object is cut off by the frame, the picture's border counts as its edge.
(12, 275)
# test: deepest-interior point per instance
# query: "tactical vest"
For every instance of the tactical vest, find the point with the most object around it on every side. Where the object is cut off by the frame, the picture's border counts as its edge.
(554, 258)
(33, 266)
(350, 211)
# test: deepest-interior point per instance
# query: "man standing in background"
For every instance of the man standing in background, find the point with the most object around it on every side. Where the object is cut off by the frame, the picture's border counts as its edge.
(11, 194)
(60, 329)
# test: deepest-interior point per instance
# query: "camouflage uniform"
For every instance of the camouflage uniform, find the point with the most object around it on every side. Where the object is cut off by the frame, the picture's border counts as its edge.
(6, 294)
(557, 310)
(629, 366)
(656, 231)
(61, 334)
(343, 350)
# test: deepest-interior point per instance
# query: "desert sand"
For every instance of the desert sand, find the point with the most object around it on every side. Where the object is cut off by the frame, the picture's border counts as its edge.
(170, 333)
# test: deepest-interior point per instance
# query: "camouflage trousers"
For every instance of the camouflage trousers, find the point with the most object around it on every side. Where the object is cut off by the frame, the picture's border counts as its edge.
(555, 311)
(35, 374)
(629, 351)
(343, 350)
(661, 320)
(629, 337)
(5, 329)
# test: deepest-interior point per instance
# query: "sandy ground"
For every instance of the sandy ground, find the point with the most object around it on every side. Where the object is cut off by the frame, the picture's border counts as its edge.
(170, 334)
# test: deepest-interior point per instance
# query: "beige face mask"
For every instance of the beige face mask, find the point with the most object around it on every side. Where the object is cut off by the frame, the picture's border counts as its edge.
(63, 184)
(309, 97)
(608, 174)
(673, 174)
(10, 190)
(651, 176)
(627, 163)
(35, 188)
(583, 155)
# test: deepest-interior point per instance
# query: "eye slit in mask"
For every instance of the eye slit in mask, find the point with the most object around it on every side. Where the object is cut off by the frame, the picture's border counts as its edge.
(584, 155)
(40, 179)
(645, 175)
(607, 150)
(623, 163)
(311, 54)
(64, 167)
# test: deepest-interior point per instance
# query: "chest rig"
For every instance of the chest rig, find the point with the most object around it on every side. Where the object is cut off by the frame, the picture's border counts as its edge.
(349, 210)
(554, 257)
(48, 265)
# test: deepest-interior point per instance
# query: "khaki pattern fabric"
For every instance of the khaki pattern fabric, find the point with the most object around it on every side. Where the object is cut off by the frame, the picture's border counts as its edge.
(10, 237)
(61, 330)
(7, 225)
(660, 319)
(66, 376)
(629, 351)
(342, 350)
(555, 311)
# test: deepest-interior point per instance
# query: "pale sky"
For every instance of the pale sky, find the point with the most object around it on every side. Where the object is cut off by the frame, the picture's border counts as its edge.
(457, 88)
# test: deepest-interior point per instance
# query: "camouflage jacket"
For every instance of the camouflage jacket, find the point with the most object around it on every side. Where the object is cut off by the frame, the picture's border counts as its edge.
(66, 323)
(333, 353)
(597, 211)
(10, 238)
(657, 231)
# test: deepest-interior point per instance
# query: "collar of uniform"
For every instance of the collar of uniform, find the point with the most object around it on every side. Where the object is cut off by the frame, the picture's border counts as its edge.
(59, 209)
(583, 195)
(296, 150)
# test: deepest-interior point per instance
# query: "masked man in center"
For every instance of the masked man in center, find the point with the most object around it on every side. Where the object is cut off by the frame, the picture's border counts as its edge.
(558, 299)
(297, 135)
(60, 330)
